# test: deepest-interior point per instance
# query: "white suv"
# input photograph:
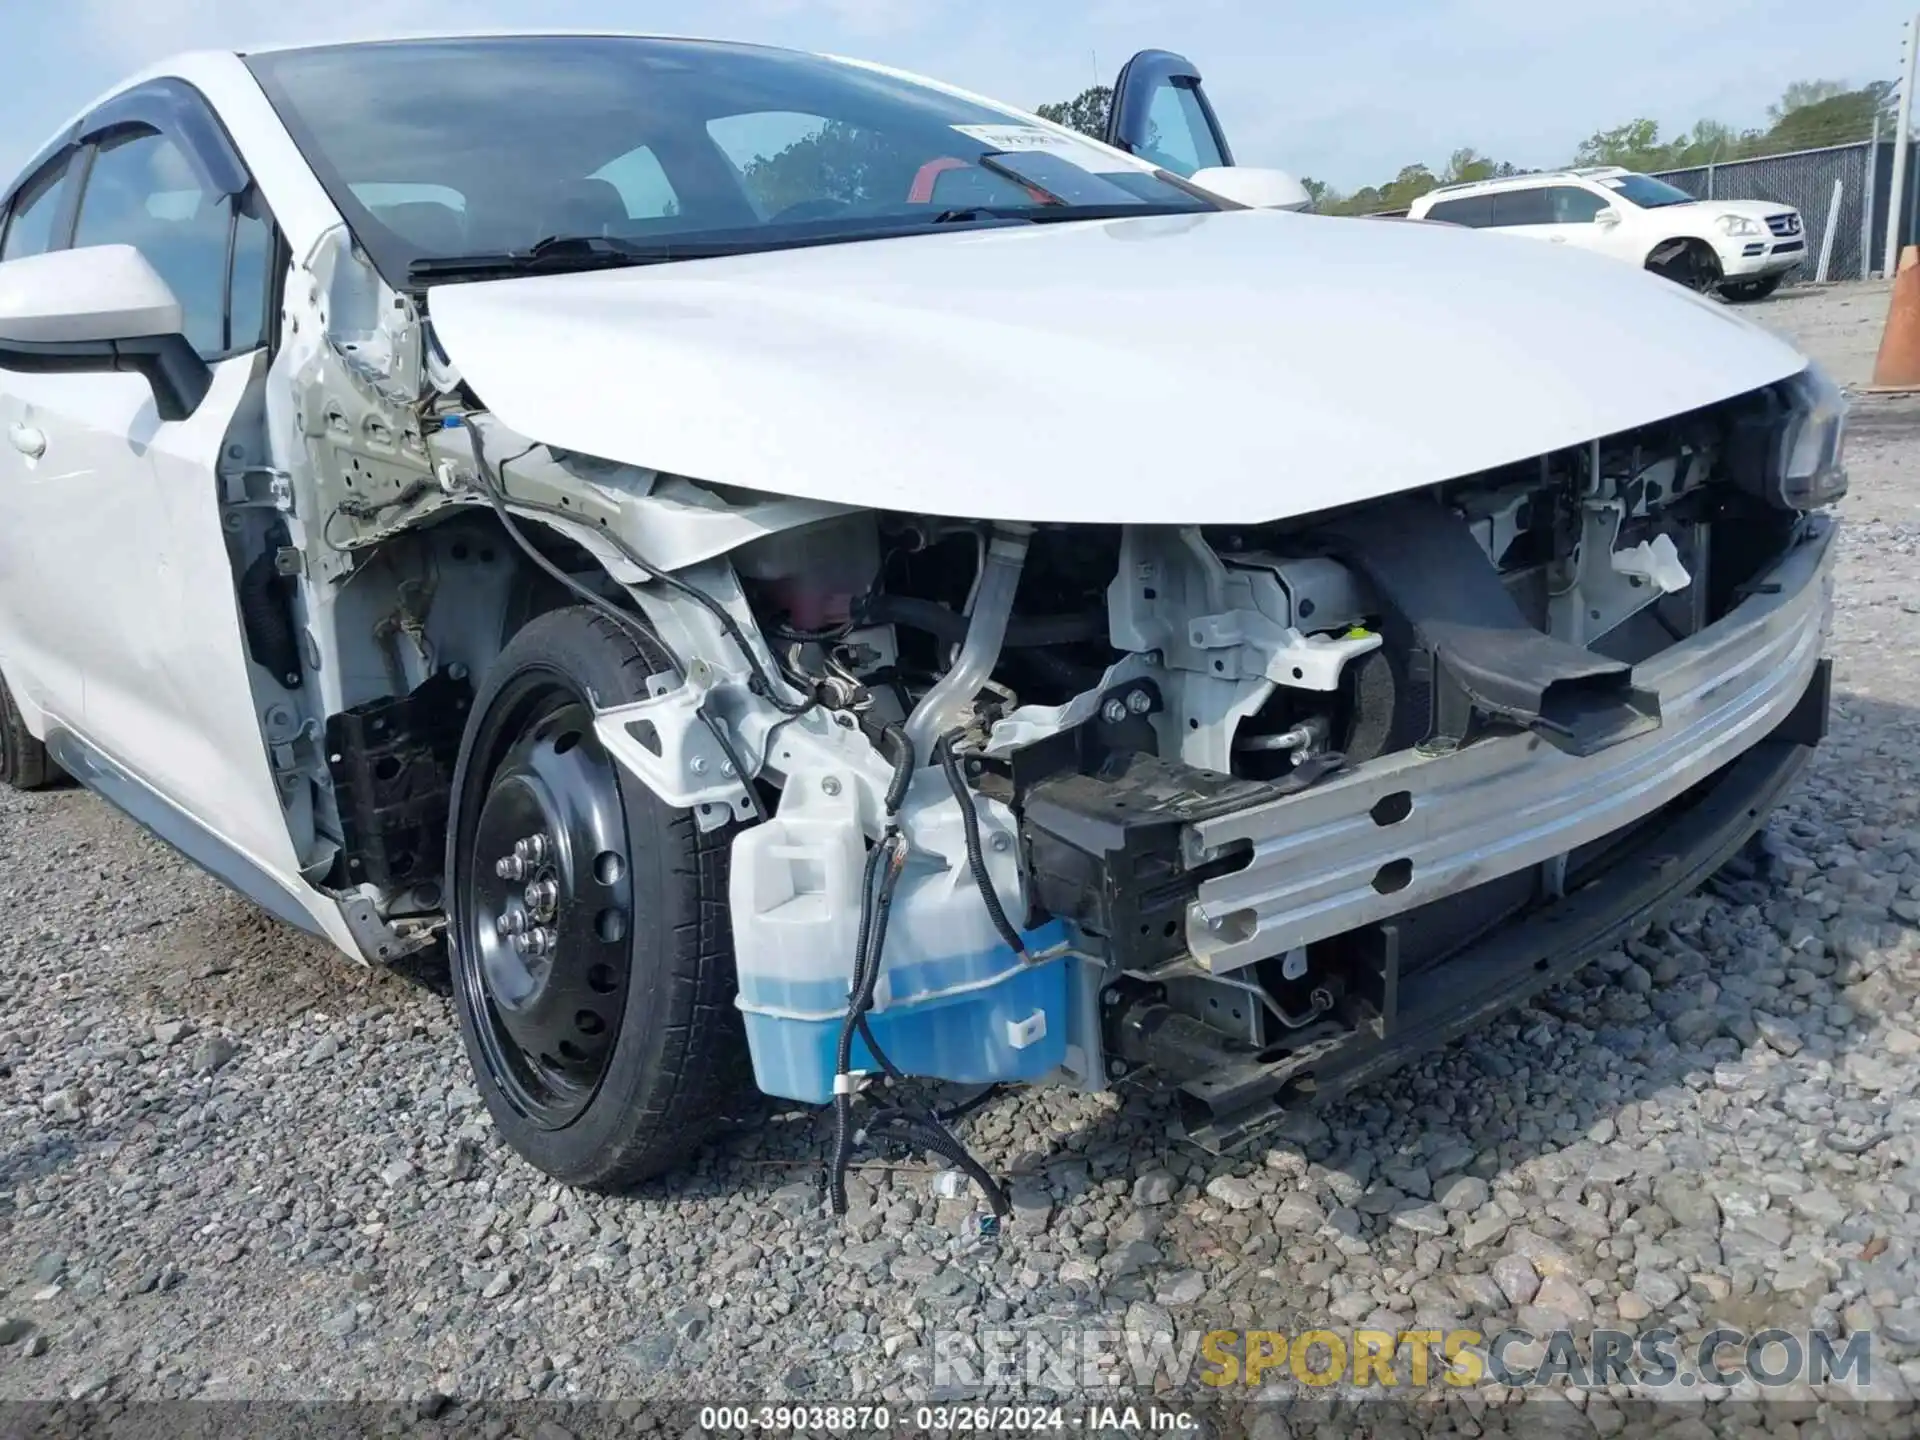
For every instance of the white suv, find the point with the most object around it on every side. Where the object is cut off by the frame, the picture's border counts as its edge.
(1742, 248)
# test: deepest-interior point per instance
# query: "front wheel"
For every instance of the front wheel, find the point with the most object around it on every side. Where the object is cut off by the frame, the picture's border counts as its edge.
(592, 959)
(1741, 291)
(1691, 263)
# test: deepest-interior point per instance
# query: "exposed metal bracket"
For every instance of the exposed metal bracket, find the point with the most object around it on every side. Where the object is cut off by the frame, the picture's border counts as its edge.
(377, 939)
(666, 743)
(1608, 586)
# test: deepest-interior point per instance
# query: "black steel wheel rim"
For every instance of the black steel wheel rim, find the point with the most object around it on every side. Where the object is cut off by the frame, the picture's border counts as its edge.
(546, 909)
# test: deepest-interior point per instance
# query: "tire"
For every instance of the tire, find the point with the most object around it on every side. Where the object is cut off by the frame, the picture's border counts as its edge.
(611, 1057)
(1693, 265)
(1741, 291)
(24, 761)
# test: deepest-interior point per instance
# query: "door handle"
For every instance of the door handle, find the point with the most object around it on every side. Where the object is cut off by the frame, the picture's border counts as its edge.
(27, 440)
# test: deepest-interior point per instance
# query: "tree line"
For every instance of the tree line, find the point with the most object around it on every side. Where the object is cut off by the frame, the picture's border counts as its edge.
(1809, 114)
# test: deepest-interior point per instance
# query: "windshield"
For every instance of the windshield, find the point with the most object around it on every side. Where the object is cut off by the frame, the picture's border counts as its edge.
(1645, 191)
(445, 148)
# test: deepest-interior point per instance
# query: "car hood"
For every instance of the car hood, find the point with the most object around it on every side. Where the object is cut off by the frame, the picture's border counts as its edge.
(1223, 368)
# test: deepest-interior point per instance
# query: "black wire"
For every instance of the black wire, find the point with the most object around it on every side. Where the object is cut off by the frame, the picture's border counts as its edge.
(361, 509)
(903, 766)
(763, 684)
(875, 911)
(917, 1125)
(843, 1053)
(728, 749)
(968, 1106)
(626, 619)
(781, 631)
(936, 1139)
(976, 857)
(773, 734)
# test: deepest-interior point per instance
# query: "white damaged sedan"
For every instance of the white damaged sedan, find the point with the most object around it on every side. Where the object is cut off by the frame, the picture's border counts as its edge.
(789, 569)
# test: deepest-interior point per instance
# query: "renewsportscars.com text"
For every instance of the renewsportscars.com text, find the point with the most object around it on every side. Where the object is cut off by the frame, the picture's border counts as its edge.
(1386, 1359)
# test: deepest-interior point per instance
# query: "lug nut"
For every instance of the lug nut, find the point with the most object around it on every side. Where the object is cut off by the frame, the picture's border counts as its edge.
(542, 896)
(510, 922)
(541, 940)
(510, 867)
(533, 850)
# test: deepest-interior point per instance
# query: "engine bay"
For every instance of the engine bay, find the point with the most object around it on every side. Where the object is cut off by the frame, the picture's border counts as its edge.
(964, 765)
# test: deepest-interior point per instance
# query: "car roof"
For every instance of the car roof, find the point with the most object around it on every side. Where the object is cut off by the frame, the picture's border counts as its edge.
(539, 32)
(195, 66)
(1509, 182)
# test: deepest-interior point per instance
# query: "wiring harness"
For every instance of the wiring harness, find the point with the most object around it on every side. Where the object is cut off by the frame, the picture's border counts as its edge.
(919, 1126)
(903, 1120)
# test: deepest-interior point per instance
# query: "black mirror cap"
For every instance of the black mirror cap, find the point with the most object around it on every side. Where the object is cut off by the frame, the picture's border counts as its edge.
(178, 376)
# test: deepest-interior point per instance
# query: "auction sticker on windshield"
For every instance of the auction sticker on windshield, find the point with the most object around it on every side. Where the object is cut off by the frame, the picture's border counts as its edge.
(1032, 137)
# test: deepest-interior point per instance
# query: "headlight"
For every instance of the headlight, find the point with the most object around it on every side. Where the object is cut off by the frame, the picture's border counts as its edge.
(1813, 469)
(1739, 225)
(1789, 448)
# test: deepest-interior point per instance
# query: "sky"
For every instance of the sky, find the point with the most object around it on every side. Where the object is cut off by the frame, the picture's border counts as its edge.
(1344, 93)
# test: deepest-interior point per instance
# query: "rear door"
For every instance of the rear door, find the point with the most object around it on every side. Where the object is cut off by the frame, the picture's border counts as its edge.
(1526, 212)
(1473, 211)
(1161, 113)
(1559, 214)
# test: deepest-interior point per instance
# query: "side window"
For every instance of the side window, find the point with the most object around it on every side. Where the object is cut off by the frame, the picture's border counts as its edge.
(29, 228)
(215, 255)
(1522, 207)
(142, 191)
(1473, 210)
(1574, 206)
(1178, 136)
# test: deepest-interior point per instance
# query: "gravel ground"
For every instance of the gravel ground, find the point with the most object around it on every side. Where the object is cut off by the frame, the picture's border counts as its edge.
(232, 1165)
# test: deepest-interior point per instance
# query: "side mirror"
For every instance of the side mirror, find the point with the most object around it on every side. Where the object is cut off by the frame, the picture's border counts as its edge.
(1608, 217)
(100, 308)
(1253, 186)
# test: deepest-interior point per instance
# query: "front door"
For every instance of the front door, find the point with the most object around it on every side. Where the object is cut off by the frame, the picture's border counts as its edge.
(129, 600)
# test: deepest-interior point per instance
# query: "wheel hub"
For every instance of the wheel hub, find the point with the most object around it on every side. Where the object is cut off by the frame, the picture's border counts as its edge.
(547, 914)
(528, 926)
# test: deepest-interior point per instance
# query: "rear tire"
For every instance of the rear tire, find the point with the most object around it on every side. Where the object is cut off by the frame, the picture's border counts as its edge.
(608, 1048)
(1741, 291)
(24, 761)
(1693, 265)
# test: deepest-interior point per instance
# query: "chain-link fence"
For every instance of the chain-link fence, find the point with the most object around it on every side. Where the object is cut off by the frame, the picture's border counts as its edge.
(1809, 180)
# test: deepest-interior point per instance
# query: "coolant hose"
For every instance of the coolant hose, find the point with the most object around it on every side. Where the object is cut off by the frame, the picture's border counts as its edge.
(944, 707)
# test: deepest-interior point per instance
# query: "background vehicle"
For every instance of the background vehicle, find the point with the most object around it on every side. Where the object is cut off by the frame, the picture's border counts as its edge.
(719, 565)
(1742, 248)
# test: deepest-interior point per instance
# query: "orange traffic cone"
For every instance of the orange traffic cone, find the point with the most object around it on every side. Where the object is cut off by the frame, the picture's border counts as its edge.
(1898, 368)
